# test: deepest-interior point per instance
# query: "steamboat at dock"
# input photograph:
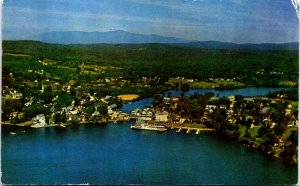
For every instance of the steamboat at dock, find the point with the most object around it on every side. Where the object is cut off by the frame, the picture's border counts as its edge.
(145, 126)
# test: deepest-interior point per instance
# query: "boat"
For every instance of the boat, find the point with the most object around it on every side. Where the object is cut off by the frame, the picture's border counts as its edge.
(12, 133)
(145, 126)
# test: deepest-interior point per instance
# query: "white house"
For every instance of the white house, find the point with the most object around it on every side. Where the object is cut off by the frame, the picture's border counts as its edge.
(39, 121)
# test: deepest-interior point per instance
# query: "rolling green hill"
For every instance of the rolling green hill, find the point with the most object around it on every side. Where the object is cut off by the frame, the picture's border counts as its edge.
(260, 68)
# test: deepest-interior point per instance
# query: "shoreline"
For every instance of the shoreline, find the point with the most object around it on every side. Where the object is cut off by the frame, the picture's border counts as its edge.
(276, 156)
(110, 121)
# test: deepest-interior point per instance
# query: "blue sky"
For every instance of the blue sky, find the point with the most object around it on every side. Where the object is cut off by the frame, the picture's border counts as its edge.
(239, 21)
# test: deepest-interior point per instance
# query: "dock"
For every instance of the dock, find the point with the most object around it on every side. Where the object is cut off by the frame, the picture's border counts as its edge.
(190, 129)
(179, 129)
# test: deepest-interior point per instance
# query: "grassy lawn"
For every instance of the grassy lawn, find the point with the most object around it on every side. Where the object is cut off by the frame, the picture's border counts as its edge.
(294, 104)
(95, 69)
(216, 83)
(242, 129)
(193, 125)
(27, 123)
(254, 131)
(287, 83)
(232, 83)
(66, 67)
(260, 140)
(203, 84)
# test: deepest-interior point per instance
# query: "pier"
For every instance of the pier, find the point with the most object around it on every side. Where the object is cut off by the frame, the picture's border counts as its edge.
(197, 130)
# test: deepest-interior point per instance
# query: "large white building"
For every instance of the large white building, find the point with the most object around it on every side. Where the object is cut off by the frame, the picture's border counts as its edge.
(161, 116)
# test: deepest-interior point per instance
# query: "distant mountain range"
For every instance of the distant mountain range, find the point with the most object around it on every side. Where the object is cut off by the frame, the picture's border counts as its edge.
(248, 46)
(122, 37)
(112, 37)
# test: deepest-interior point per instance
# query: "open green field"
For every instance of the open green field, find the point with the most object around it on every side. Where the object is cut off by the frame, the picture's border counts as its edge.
(253, 131)
(229, 83)
(203, 84)
(194, 125)
(287, 83)
(27, 123)
(216, 84)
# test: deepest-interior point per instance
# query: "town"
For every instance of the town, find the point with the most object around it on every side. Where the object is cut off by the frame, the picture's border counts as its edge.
(268, 123)
(142, 92)
(40, 92)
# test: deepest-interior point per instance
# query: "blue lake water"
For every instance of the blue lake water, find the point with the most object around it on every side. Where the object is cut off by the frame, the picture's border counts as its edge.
(249, 91)
(116, 154)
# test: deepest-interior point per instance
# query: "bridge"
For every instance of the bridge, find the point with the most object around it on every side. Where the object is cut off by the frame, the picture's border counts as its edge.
(189, 129)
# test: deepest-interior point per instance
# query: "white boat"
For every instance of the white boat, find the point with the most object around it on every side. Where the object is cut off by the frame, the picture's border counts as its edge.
(148, 127)
(12, 133)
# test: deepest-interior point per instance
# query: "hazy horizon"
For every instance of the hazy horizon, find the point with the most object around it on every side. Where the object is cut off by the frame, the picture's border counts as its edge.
(237, 21)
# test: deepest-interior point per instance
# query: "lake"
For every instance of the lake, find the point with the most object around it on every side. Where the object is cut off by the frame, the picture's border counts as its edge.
(249, 91)
(116, 154)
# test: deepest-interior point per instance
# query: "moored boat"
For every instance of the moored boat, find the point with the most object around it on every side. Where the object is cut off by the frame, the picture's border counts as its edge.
(148, 127)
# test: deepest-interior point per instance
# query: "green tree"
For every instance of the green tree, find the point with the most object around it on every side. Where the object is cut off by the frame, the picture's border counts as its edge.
(90, 109)
(280, 128)
(248, 122)
(60, 118)
(185, 86)
(9, 106)
(277, 115)
(102, 108)
(35, 109)
(63, 100)
(289, 152)
(294, 137)
(158, 100)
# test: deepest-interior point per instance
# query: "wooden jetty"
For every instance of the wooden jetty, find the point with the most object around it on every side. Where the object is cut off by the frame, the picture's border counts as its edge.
(179, 129)
(197, 130)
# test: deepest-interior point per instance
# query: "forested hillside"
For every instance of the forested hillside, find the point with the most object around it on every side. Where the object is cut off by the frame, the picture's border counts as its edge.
(260, 68)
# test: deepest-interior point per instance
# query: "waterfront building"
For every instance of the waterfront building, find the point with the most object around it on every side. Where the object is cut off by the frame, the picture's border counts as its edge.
(161, 116)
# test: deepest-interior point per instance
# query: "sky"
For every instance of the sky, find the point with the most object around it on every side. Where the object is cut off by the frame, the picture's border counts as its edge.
(238, 21)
